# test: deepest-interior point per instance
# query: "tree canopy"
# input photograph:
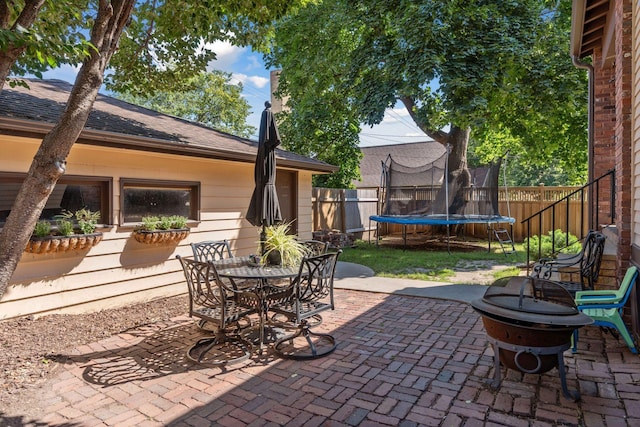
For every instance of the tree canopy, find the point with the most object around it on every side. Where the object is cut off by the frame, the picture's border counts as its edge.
(165, 44)
(208, 98)
(464, 69)
(36, 35)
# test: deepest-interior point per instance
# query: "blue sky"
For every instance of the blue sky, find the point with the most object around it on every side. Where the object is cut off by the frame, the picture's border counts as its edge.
(248, 67)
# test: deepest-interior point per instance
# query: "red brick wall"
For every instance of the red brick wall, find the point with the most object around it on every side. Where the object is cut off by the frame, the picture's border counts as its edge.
(623, 134)
(613, 131)
(603, 156)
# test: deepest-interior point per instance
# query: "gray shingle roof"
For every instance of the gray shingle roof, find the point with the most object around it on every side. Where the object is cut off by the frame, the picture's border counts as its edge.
(118, 123)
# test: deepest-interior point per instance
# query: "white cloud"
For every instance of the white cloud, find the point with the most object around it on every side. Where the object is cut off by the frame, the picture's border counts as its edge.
(253, 63)
(227, 55)
(257, 81)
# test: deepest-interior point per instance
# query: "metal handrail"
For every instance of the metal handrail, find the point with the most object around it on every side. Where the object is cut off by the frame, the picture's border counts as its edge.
(593, 213)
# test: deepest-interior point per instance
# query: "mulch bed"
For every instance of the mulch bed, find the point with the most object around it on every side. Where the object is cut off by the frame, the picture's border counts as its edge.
(30, 345)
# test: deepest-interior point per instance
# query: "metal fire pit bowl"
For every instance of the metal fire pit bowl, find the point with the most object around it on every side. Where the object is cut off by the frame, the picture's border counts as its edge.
(529, 321)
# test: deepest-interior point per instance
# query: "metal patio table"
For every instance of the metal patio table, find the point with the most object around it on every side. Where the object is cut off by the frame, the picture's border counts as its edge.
(265, 277)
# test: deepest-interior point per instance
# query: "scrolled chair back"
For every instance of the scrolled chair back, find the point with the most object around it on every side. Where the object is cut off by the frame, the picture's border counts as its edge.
(202, 283)
(315, 280)
(315, 247)
(211, 250)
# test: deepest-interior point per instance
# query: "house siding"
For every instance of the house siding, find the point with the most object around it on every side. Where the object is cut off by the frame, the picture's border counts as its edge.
(635, 161)
(119, 270)
(636, 126)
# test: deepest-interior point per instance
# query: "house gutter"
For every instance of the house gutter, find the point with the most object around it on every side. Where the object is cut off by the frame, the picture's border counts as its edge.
(139, 143)
(578, 10)
(590, 123)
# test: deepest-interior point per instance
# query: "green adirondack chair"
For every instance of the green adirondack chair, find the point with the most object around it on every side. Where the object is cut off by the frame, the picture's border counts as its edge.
(605, 307)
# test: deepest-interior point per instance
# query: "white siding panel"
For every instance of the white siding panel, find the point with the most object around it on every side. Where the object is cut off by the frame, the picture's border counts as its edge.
(120, 270)
(635, 227)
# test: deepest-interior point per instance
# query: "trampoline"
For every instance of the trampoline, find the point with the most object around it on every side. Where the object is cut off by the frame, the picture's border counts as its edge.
(420, 195)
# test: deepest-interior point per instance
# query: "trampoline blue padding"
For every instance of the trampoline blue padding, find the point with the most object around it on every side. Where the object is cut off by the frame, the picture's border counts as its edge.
(442, 219)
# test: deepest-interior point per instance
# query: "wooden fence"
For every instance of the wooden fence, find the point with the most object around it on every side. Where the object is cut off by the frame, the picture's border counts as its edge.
(348, 211)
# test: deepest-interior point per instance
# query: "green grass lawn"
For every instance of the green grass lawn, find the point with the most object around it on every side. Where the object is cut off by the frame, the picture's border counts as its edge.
(424, 263)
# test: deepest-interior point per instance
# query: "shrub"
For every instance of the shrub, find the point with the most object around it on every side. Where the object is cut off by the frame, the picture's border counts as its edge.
(544, 245)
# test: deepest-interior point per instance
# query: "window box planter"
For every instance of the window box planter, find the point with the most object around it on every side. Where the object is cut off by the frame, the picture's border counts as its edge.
(160, 236)
(54, 244)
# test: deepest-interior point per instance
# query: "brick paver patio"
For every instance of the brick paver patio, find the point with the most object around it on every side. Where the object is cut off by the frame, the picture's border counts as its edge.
(401, 361)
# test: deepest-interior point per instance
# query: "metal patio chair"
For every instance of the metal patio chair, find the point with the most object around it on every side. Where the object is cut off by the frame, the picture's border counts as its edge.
(211, 250)
(578, 272)
(313, 294)
(315, 247)
(209, 302)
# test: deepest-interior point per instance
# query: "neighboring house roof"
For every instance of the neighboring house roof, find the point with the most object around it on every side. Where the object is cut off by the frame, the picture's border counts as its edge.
(115, 123)
(411, 154)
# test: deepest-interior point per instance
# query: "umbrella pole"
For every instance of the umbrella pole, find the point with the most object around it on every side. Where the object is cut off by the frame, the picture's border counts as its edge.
(263, 237)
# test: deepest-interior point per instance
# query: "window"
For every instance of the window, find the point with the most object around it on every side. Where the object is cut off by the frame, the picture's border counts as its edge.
(140, 198)
(70, 194)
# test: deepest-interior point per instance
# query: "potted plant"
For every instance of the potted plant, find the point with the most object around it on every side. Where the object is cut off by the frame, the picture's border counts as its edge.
(280, 247)
(72, 231)
(161, 229)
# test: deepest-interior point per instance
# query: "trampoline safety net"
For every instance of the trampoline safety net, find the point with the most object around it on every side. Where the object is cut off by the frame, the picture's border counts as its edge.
(416, 191)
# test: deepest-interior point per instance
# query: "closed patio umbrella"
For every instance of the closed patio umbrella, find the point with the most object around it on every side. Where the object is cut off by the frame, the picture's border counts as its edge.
(264, 209)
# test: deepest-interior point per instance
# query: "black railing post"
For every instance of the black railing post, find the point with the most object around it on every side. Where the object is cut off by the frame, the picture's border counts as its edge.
(594, 208)
(582, 215)
(612, 207)
(592, 214)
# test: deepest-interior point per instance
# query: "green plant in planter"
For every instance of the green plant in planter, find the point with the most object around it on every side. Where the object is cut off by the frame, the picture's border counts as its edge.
(173, 222)
(42, 229)
(149, 223)
(178, 221)
(278, 241)
(65, 227)
(87, 220)
(165, 223)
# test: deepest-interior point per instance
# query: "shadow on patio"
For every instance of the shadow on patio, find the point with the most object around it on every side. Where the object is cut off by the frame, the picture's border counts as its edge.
(401, 360)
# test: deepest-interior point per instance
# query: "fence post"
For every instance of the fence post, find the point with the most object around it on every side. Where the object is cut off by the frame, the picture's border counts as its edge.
(343, 210)
(315, 209)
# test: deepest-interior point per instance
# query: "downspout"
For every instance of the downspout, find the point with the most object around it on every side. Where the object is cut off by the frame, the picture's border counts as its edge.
(590, 124)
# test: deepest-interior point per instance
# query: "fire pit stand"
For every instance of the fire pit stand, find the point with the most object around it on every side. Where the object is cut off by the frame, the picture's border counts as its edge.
(536, 352)
(529, 322)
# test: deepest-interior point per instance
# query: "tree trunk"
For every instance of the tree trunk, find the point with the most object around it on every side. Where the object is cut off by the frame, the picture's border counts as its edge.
(10, 53)
(49, 162)
(459, 177)
(456, 141)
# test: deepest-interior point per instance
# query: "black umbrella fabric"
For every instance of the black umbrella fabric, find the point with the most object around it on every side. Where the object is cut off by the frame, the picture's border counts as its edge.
(264, 209)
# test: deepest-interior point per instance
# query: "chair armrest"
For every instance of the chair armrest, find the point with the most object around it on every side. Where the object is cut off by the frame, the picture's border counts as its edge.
(596, 297)
(562, 262)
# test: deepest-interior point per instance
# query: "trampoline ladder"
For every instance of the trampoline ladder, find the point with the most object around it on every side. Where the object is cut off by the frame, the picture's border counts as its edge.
(504, 238)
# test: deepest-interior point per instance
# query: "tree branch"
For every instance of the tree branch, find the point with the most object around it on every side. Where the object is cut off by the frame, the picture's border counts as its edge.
(437, 135)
